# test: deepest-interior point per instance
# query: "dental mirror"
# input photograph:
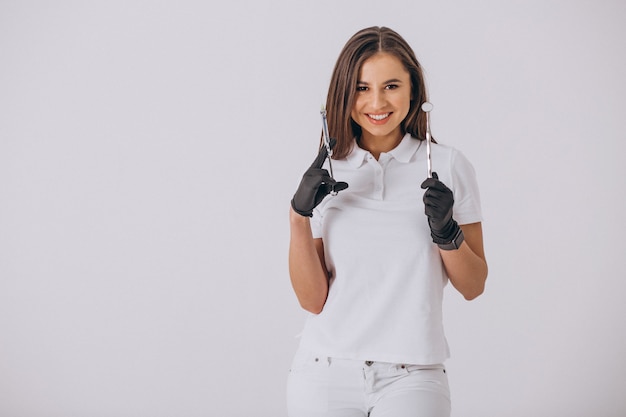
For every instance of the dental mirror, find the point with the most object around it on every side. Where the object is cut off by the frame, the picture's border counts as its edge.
(427, 108)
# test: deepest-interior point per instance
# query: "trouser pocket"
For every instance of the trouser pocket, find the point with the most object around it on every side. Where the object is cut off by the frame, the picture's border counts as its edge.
(307, 384)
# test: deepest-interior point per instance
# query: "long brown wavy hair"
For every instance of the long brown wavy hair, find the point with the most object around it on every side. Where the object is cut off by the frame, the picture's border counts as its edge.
(343, 85)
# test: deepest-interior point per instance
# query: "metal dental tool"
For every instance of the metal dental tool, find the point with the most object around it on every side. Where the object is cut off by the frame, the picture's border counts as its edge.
(427, 108)
(329, 151)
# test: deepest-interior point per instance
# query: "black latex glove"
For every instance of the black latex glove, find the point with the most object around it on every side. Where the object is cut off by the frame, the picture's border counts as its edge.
(315, 185)
(438, 202)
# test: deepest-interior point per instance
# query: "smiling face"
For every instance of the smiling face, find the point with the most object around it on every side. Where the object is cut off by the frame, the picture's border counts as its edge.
(382, 101)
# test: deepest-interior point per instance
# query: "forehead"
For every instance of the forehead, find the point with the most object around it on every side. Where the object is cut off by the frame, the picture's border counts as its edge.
(382, 66)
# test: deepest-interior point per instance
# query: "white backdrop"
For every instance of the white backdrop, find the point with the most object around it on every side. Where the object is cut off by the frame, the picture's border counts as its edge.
(148, 152)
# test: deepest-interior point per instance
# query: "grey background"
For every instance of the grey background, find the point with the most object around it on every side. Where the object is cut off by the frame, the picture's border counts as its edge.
(149, 149)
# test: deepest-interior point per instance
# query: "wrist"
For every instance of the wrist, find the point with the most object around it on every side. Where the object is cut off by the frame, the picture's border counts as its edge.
(455, 242)
(295, 217)
(300, 212)
(444, 233)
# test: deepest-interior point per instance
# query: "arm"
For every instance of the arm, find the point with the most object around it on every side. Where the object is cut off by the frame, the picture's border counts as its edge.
(467, 266)
(307, 268)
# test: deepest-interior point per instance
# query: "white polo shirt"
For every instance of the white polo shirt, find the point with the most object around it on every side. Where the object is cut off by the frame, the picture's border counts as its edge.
(387, 277)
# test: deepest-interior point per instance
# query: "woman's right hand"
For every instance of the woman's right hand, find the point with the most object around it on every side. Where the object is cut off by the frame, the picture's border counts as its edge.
(316, 184)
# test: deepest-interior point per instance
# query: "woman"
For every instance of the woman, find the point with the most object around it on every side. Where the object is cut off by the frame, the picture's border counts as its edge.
(370, 261)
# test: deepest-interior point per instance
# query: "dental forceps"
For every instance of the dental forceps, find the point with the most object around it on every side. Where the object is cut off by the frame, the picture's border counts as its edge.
(326, 138)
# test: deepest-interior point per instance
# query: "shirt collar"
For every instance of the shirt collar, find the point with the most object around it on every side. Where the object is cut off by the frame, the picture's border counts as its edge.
(405, 149)
(356, 156)
(401, 153)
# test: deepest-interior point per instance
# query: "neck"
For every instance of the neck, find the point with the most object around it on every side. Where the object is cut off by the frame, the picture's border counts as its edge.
(379, 144)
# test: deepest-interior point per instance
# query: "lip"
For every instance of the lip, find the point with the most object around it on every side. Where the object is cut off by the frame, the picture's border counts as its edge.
(376, 121)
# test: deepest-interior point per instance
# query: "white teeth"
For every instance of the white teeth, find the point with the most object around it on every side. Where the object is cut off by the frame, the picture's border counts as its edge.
(379, 116)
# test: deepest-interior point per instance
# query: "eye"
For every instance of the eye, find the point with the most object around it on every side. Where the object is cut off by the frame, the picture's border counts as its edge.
(361, 88)
(391, 86)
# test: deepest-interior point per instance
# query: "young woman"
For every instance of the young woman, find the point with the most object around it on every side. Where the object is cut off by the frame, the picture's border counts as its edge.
(371, 252)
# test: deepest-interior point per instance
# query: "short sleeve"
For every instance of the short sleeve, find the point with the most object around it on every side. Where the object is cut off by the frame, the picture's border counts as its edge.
(467, 207)
(316, 224)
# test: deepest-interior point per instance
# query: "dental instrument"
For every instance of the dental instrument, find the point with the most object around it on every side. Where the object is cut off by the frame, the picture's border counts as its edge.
(326, 138)
(427, 108)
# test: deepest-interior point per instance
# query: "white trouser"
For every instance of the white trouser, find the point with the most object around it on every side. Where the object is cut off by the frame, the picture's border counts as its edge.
(328, 387)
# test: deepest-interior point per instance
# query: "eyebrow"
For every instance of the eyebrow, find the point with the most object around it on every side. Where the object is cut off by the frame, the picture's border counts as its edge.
(393, 80)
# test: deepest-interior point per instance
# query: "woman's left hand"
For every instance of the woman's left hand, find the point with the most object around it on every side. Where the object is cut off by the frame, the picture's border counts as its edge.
(438, 202)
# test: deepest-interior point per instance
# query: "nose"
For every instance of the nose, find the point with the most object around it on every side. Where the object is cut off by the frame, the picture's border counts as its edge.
(378, 99)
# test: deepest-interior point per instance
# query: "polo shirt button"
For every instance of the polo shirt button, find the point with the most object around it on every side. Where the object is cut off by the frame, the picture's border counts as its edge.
(369, 363)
